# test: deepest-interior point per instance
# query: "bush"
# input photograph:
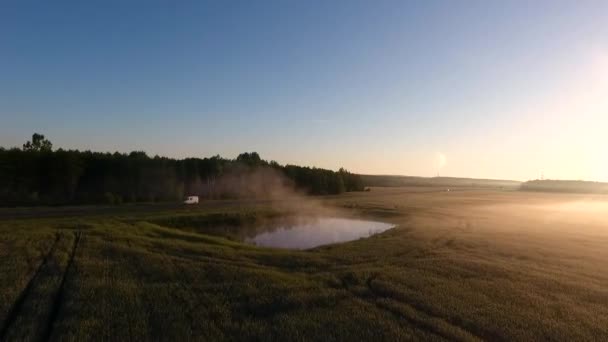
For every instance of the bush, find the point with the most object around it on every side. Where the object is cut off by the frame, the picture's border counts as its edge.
(109, 198)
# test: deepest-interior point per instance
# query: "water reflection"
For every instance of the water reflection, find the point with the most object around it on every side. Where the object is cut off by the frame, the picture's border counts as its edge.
(309, 233)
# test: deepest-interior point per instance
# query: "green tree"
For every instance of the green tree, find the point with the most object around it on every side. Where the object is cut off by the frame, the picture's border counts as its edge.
(38, 144)
(250, 159)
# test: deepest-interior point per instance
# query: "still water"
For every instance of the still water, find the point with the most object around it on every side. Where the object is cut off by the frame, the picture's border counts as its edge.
(316, 232)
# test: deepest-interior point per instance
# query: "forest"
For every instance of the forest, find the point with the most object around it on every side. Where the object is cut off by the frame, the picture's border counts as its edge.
(38, 175)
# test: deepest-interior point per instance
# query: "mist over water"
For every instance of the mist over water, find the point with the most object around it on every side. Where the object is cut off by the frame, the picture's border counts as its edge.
(278, 191)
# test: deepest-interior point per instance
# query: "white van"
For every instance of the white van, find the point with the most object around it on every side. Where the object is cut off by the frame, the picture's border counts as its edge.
(191, 200)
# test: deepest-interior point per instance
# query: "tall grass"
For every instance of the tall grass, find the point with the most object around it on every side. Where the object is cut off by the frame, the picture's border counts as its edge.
(459, 266)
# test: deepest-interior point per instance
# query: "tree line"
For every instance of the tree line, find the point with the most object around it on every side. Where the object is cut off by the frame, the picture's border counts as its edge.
(38, 175)
(572, 186)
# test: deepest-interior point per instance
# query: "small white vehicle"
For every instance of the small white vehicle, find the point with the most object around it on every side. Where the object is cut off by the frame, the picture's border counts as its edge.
(191, 200)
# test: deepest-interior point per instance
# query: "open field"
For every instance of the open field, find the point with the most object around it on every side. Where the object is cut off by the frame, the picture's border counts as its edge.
(462, 265)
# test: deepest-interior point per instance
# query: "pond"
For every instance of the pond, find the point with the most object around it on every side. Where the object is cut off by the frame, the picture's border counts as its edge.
(313, 232)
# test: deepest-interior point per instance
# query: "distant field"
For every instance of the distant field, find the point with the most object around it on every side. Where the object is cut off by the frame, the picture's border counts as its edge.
(400, 181)
(468, 264)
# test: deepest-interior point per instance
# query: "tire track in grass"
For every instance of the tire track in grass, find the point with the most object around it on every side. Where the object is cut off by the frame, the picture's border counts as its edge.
(421, 318)
(60, 295)
(129, 289)
(18, 304)
(129, 322)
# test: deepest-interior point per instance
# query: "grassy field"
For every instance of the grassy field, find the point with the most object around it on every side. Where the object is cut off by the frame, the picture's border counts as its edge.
(460, 265)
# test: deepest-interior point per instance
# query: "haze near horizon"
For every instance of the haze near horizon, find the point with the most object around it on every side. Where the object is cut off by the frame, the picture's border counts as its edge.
(507, 90)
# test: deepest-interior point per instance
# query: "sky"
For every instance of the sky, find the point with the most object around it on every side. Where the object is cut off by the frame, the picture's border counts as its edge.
(490, 89)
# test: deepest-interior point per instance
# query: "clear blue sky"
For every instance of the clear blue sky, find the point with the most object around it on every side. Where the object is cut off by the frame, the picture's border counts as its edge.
(497, 89)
